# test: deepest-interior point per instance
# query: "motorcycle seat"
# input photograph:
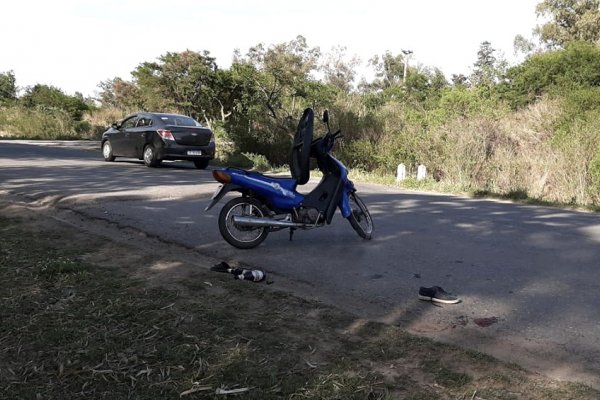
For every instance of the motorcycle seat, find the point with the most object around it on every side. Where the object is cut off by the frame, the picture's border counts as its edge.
(273, 176)
(270, 176)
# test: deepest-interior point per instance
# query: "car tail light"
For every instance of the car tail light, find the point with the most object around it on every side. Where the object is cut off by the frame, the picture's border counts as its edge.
(221, 176)
(165, 134)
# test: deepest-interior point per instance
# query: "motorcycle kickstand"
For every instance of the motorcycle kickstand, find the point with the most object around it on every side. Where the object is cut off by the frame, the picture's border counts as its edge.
(292, 233)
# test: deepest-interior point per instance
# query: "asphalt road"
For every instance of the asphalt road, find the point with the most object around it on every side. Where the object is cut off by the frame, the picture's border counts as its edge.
(529, 276)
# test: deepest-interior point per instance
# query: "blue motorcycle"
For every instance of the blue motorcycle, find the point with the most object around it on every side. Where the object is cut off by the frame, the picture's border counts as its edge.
(270, 203)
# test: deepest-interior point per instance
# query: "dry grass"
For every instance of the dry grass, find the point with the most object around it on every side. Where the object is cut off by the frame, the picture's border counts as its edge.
(517, 153)
(104, 117)
(31, 123)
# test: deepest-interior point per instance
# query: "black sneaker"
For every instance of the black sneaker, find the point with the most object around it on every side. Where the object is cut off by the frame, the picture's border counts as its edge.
(438, 295)
(224, 267)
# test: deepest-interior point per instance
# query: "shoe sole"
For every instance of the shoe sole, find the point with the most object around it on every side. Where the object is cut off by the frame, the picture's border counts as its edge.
(436, 300)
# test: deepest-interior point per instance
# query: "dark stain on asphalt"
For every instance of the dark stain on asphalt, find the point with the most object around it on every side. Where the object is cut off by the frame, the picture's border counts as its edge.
(485, 322)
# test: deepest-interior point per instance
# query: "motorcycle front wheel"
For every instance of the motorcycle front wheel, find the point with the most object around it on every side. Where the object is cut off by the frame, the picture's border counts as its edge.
(360, 218)
(242, 237)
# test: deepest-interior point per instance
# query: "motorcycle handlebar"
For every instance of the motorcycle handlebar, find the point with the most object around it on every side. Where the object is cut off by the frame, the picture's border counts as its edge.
(333, 136)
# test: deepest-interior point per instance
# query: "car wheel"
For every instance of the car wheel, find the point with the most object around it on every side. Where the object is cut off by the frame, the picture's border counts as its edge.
(201, 164)
(107, 152)
(150, 158)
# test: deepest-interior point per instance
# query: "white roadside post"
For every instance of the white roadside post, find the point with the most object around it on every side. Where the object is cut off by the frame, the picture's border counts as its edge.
(421, 172)
(400, 172)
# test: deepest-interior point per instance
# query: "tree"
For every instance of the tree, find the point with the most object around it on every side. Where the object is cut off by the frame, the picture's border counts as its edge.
(276, 82)
(523, 45)
(569, 20)
(283, 75)
(437, 80)
(339, 71)
(389, 70)
(576, 66)
(459, 80)
(245, 94)
(8, 88)
(424, 85)
(488, 70)
(44, 96)
(183, 81)
(120, 94)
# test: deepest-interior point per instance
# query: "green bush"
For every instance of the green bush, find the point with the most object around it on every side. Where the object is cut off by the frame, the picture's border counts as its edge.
(83, 128)
(236, 160)
(259, 162)
(48, 97)
(577, 105)
(578, 65)
(359, 154)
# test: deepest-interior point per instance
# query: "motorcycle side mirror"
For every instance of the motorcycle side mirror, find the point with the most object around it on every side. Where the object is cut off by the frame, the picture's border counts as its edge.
(326, 116)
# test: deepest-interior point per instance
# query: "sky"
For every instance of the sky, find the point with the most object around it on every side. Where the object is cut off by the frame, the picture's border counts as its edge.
(76, 44)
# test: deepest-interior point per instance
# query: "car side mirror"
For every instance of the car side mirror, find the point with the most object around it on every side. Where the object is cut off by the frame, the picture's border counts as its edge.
(115, 125)
(326, 116)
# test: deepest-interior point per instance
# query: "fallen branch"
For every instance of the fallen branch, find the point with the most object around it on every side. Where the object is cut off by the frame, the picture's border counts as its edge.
(231, 391)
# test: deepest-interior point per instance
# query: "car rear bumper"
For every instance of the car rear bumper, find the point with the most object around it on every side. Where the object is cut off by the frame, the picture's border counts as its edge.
(177, 152)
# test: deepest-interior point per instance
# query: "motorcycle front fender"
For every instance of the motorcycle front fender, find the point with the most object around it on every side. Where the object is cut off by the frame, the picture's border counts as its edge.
(344, 203)
(221, 191)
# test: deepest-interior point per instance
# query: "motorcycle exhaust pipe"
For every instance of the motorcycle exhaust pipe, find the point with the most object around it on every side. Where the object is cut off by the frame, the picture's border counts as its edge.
(256, 221)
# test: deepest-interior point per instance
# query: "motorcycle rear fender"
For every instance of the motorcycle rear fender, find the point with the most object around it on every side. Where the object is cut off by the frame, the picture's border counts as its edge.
(222, 191)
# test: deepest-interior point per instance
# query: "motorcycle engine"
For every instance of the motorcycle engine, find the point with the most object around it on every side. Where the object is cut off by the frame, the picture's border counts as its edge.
(308, 215)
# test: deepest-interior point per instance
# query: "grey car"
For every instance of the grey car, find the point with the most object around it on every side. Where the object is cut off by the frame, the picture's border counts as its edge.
(154, 137)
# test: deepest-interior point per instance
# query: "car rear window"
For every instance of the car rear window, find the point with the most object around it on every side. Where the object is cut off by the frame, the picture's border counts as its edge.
(179, 121)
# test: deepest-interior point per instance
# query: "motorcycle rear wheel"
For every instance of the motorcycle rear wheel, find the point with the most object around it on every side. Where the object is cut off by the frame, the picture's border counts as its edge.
(242, 237)
(360, 218)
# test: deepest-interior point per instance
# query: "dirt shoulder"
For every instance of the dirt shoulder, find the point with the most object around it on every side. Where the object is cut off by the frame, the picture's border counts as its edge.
(91, 310)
